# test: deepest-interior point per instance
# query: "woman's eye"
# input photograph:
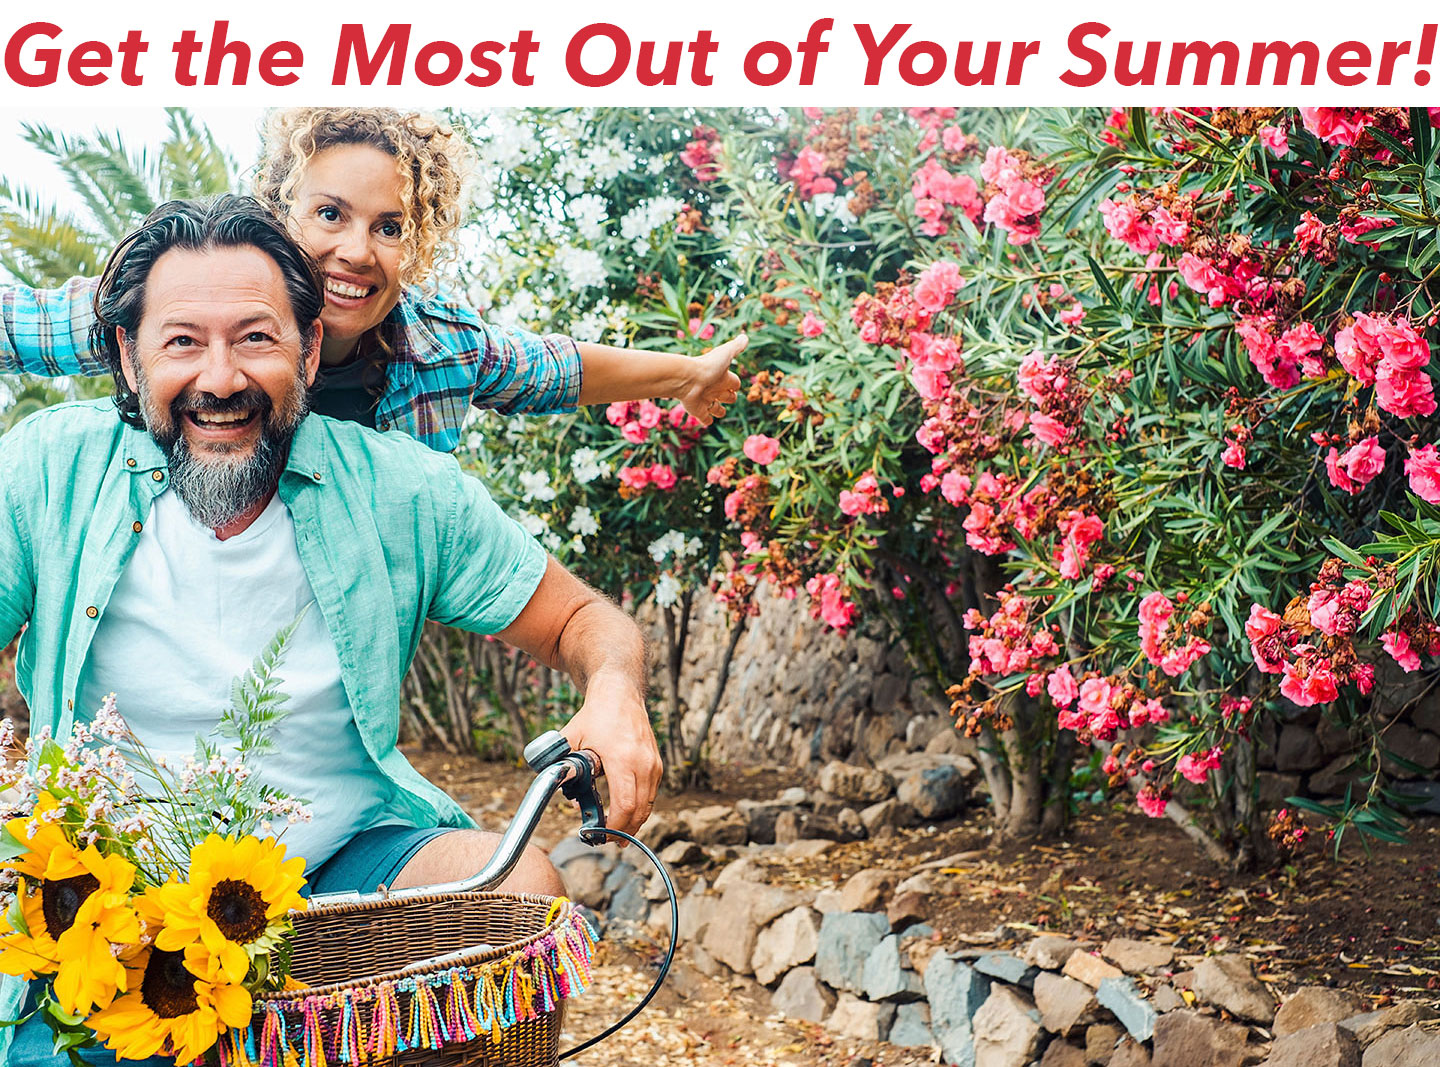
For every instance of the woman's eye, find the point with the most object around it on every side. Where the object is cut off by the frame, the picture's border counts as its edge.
(390, 230)
(328, 213)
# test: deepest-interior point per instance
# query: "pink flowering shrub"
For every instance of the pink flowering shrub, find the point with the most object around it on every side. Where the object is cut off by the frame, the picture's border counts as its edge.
(1092, 473)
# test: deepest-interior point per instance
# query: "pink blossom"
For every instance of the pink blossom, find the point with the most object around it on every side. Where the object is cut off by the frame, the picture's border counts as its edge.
(663, 477)
(761, 449)
(1169, 229)
(1354, 468)
(634, 433)
(1125, 223)
(808, 173)
(1333, 125)
(1274, 138)
(1234, 454)
(1152, 802)
(1197, 768)
(1073, 315)
(810, 326)
(1035, 375)
(1094, 695)
(634, 477)
(1298, 345)
(1404, 392)
(1048, 429)
(1397, 643)
(937, 284)
(1423, 469)
(1310, 234)
(1062, 687)
(1263, 629)
(830, 601)
(955, 487)
(1309, 684)
(953, 138)
(1199, 274)
(650, 414)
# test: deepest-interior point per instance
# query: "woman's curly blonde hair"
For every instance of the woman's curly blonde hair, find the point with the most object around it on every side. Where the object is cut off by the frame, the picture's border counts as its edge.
(433, 157)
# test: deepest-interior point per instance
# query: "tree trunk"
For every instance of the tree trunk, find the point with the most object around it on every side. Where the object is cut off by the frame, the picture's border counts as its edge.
(689, 770)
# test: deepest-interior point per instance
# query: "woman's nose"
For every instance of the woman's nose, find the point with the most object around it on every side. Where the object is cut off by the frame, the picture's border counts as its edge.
(355, 246)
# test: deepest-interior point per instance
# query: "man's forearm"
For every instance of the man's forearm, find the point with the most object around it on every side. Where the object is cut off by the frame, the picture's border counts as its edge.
(609, 374)
(600, 639)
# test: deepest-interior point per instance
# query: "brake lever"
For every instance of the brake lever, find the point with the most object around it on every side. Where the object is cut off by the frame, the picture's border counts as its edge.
(551, 748)
(580, 787)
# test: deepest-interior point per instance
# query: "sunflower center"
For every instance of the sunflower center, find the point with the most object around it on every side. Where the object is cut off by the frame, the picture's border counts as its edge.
(238, 909)
(60, 900)
(168, 989)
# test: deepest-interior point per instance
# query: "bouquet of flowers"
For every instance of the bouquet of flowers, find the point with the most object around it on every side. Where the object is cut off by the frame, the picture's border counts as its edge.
(150, 900)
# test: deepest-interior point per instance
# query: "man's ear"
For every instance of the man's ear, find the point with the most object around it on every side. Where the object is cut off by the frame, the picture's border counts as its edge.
(312, 357)
(126, 359)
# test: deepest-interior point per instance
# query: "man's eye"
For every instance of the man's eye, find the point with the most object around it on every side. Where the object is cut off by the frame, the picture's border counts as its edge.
(257, 337)
(182, 341)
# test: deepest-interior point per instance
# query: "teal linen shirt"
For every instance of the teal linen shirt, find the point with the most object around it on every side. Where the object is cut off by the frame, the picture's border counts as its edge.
(390, 533)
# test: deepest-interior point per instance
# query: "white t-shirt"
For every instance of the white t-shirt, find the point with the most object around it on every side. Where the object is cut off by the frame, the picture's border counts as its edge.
(188, 615)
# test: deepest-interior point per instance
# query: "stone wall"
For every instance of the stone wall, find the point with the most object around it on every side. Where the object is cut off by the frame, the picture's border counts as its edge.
(800, 694)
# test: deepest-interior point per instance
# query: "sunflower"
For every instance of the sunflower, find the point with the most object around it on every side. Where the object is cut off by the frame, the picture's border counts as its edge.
(73, 906)
(178, 1005)
(236, 889)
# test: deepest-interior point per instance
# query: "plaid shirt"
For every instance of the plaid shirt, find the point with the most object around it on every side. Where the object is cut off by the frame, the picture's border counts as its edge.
(446, 358)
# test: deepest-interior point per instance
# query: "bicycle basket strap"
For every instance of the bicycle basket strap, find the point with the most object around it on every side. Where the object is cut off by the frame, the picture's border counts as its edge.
(476, 998)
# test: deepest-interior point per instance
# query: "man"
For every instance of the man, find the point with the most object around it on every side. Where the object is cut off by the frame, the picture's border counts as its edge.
(158, 562)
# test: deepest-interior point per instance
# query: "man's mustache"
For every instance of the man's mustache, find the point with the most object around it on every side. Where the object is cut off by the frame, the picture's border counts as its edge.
(252, 399)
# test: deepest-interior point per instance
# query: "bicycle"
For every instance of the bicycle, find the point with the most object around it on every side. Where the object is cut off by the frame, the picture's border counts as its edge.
(448, 975)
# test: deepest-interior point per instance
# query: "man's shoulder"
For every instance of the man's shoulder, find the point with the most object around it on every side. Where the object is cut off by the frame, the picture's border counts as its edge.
(72, 424)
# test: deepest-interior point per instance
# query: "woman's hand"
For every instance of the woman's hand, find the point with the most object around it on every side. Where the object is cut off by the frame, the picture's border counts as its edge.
(712, 384)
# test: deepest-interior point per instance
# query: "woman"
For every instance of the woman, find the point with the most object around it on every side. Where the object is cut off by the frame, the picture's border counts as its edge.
(377, 197)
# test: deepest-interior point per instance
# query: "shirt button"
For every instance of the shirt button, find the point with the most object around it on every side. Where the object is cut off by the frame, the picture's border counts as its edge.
(69, 705)
(138, 526)
(92, 611)
(129, 463)
(316, 475)
(384, 426)
(159, 476)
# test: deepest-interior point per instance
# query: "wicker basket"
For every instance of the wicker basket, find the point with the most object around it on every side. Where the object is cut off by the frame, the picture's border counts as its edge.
(366, 1002)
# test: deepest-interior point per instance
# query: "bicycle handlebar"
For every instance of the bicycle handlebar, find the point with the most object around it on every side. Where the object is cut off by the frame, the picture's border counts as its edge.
(557, 767)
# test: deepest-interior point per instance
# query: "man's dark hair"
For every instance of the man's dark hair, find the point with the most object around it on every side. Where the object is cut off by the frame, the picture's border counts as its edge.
(224, 221)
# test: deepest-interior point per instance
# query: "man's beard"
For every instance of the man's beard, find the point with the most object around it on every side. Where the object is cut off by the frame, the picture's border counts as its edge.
(222, 485)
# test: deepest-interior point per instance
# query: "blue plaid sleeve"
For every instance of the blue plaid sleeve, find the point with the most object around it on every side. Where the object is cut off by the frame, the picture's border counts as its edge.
(528, 373)
(47, 331)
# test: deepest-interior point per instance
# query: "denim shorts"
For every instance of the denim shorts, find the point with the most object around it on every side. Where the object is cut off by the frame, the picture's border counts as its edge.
(367, 861)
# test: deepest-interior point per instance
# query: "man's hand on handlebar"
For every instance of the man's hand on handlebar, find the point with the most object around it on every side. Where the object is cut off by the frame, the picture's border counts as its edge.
(613, 724)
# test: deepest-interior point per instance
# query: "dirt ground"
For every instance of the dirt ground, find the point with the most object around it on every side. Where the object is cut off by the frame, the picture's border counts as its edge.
(1365, 922)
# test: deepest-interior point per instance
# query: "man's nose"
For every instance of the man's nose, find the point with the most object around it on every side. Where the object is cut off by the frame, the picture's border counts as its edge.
(220, 374)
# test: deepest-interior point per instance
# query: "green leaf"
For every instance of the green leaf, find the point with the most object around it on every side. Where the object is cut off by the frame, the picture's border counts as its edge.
(1103, 282)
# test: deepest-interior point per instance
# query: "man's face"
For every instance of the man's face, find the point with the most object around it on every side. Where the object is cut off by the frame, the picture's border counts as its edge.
(219, 366)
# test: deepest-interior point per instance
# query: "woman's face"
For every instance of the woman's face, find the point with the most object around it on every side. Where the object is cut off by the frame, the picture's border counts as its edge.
(348, 214)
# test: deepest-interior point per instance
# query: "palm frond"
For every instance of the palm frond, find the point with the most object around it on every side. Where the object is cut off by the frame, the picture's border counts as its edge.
(102, 173)
(193, 163)
(45, 248)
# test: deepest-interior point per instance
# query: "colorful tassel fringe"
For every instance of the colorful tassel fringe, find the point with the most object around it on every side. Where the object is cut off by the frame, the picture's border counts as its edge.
(428, 1011)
